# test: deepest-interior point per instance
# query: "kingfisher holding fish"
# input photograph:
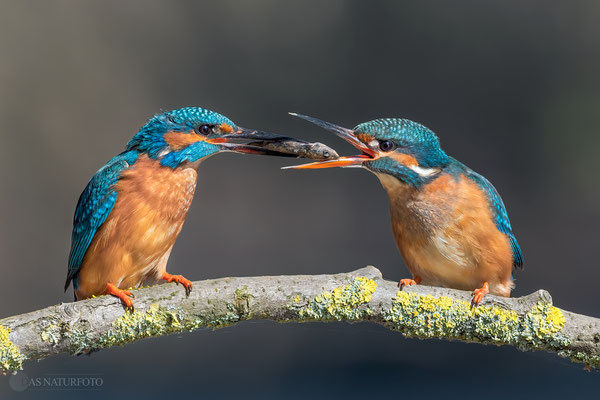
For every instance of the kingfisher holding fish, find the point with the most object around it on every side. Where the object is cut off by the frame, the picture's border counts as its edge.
(449, 222)
(132, 210)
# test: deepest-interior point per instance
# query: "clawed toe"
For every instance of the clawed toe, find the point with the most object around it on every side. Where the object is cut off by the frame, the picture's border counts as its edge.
(409, 282)
(179, 279)
(479, 293)
(124, 295)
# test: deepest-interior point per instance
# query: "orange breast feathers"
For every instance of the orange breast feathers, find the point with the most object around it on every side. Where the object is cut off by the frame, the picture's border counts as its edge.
(134, 243)
(447, 236)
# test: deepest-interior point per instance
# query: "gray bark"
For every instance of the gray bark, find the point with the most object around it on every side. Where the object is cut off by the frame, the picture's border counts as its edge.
(529, 322)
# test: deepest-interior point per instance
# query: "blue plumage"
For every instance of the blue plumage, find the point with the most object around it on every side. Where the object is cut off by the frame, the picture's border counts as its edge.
(498, 210)
(421, 142)
(388, 166)
(438, 207)
(190, 154)
(164, 155)
(150, 138)
(99, 196)
(93, 207)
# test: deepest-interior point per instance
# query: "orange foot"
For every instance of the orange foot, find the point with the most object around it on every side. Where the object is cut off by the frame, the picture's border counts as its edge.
(179, 279)
(124, 295)
(409, 282)
(479, 293)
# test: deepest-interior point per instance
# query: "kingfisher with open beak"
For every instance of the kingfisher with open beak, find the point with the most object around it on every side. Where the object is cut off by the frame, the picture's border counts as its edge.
(449, 222)
(132, 210)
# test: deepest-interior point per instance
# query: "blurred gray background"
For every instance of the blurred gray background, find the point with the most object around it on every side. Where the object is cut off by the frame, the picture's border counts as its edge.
(511, 87)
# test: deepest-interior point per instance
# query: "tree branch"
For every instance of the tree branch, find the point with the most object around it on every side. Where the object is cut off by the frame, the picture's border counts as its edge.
(529, 322)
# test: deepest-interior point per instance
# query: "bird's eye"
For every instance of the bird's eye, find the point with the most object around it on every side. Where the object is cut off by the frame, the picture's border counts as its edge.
(205, 129)
(387, 145)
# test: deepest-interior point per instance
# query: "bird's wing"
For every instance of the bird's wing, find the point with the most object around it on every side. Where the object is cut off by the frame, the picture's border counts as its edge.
(499, 213)
(94, 206)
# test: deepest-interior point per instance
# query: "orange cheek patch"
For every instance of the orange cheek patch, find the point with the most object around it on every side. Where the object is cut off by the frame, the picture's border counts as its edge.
(180, 140)
(404, 159)
(226, 128)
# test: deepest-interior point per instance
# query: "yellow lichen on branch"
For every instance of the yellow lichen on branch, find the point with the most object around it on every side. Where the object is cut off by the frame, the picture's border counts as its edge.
(341, 303)
(529, 323)
(428, 316)
(11, 358)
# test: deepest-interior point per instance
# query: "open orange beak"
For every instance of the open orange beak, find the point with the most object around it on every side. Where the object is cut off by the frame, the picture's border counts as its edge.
(348, 135)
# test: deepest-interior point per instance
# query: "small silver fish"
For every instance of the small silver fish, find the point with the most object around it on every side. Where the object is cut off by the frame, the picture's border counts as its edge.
(299, 148)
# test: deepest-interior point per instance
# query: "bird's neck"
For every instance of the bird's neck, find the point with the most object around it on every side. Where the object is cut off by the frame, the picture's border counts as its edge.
(399, 192)
(417, 210)
(195, 165)
(395, 170)
(153, 181)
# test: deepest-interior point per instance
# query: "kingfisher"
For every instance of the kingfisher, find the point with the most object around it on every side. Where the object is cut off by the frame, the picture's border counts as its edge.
(449, 222)
(130, 214)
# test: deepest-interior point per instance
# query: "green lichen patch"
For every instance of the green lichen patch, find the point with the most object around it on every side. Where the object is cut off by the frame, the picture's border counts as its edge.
(428, 316)
(156, 321)
(590, 361)
(342, 303)
(131, 326)
(11, 358)
(137, 325)
(221, 321)
(242, 300)
(51, 333)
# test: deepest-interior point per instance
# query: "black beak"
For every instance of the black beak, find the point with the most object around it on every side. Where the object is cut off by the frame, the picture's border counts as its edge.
(253, 134)
(272, 144)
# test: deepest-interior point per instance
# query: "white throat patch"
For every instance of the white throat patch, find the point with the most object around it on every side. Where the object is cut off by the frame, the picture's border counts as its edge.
(424, 172)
